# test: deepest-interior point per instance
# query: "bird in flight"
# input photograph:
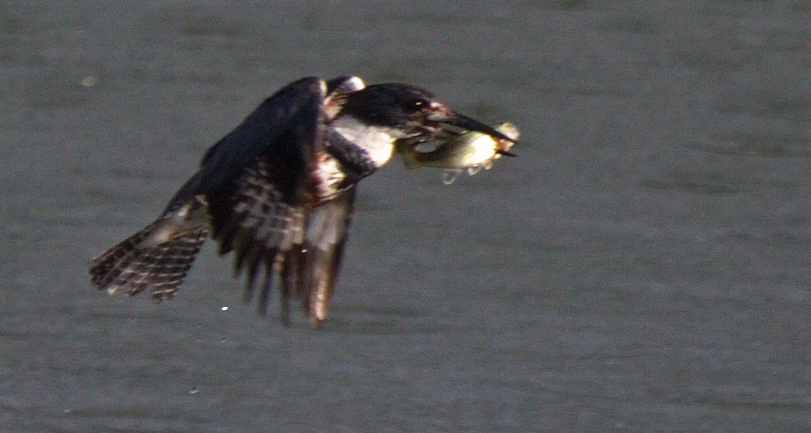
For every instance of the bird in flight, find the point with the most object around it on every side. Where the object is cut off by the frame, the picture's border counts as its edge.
(278, 191)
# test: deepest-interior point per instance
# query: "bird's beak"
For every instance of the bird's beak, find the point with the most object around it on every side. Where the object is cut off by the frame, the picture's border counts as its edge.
(460, 121)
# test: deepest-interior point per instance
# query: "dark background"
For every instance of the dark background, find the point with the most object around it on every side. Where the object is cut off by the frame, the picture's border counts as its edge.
(642, 267)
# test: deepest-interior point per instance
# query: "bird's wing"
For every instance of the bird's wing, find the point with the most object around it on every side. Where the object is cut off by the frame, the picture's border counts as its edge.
(285, 128)
(259, 223)
(255, 179)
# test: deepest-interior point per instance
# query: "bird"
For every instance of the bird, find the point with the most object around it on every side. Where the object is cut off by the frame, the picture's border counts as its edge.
(278, 192)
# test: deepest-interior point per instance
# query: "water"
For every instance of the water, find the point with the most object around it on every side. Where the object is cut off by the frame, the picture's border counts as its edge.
(642, 267)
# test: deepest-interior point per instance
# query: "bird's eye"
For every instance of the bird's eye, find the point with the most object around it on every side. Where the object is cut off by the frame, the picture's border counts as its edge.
(416, 105)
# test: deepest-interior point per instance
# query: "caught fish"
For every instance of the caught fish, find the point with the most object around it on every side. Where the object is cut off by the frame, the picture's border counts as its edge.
(471, 151)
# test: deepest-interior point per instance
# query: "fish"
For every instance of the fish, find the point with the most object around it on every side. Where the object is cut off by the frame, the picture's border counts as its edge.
(468, 151)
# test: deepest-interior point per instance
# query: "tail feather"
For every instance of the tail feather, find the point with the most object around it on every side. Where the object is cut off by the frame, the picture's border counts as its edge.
(154, 257)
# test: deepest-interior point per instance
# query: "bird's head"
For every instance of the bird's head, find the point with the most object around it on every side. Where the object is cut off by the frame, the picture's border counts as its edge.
(409, 112)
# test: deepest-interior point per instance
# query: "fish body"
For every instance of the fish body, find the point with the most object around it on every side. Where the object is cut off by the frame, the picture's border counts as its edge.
(471, 151)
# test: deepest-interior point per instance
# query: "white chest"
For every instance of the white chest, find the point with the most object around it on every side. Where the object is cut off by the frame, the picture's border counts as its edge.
(377, 141)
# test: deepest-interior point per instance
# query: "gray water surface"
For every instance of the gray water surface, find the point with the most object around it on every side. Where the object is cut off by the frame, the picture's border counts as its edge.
(643, 266)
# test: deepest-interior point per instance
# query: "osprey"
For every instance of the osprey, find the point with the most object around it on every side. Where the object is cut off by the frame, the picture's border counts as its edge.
(278, 191)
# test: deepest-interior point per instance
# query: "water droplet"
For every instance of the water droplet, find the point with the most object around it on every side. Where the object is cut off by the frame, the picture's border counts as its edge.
(89, 81)
(194, 390)
(448, 176)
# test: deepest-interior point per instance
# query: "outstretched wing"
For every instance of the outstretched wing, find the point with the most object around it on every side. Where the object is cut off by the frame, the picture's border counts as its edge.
(159, 255)
(256, 180)
(285, 130)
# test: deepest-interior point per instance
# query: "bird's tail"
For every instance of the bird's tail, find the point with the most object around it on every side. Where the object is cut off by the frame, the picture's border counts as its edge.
(159, 255)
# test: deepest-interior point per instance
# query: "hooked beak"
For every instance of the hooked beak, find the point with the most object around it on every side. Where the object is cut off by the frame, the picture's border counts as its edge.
(460, 121)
